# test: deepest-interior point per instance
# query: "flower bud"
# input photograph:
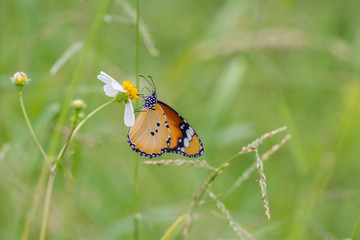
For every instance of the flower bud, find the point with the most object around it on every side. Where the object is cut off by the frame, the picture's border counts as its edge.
(78, 104)
(20, 78)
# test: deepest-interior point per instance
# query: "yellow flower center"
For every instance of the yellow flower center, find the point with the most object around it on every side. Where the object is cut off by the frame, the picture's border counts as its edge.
(131, 90)
(20, 78)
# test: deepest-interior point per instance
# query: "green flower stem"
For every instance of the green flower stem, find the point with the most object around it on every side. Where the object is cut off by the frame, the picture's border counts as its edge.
(63, 149)
(170, 232)
(31, 129)
(136, 166)
(89, 116)
(53, 169)
(136, 199)
(47, 206)
(77, 128)
(356, 230)
(35, 201)
(137, 57)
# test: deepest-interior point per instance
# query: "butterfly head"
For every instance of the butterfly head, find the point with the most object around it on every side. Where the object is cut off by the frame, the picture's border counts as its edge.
(150, 101)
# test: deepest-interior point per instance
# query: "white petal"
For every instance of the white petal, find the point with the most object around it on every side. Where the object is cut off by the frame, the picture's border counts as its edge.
(105, 78)
(117, 86)
(110, 91)
(110, 83)
(129, 116)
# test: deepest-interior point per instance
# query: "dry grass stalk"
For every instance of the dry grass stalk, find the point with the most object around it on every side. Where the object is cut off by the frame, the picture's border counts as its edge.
(273, 39)
(4, 149)
(238, 229)
(264, 157)
(197, 198)
(274, 148)
(65, 57)
(257, 142)
(130, 11)
(180, 162)
(262, 182)
(200, 193)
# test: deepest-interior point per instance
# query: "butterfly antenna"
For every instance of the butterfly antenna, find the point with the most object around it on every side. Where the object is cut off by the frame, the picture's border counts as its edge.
(145, 88)
(143, 96)
(136, 110)
(151, 84)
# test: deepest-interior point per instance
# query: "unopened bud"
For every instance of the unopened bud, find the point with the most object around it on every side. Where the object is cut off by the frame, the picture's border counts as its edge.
(20, 78)
(78, 104)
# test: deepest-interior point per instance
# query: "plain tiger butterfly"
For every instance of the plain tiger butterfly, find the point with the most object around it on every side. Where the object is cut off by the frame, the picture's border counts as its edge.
(160, 129)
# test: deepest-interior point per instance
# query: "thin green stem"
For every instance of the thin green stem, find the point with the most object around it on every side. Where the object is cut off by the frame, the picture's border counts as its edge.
(35, 201)
(170, 232)
(65, 147)
(95, 25)
(136, 166)
(77, 128)
(356, 230)
(136, 199)
(31, 130)
(53, 169)
(137, 59)
(47, 206)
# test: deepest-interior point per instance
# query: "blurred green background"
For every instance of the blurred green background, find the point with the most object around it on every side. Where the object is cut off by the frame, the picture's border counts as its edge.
(234, 69)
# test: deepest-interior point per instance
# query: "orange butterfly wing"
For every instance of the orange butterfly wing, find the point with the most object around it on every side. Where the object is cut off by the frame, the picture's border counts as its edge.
(150, 135)
(184, 140)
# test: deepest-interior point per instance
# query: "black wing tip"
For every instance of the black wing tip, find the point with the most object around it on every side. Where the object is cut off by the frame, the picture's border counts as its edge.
(144, 154)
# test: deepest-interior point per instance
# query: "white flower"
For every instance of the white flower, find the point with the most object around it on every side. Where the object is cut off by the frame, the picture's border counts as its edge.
(111, 89)
(20, 78)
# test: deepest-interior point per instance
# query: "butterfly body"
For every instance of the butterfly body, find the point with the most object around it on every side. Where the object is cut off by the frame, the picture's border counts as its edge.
(160, 129)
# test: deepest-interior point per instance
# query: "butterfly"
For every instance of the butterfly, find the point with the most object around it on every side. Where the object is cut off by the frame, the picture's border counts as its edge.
(160, 129)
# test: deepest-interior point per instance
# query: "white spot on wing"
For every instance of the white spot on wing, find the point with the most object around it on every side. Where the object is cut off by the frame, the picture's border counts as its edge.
(188, 134)
(186, 142)
(191, 130)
